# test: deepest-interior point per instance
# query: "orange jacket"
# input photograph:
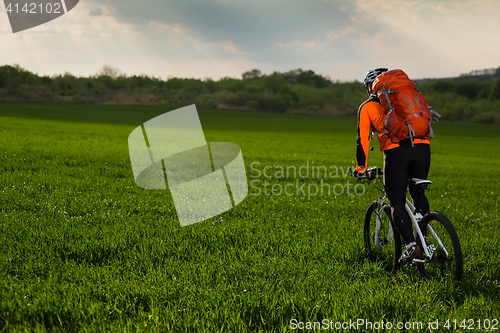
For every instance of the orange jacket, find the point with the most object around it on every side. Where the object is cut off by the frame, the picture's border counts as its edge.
(371, 116)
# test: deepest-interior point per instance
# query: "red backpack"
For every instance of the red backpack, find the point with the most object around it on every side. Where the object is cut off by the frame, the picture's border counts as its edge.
(408, 114)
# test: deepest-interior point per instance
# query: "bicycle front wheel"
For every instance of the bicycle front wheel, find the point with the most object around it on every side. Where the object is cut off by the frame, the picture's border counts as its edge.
(382, 241)
(444, 247)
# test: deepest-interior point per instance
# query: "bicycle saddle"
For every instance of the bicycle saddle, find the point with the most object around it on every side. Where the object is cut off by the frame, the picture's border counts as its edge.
(419, 181)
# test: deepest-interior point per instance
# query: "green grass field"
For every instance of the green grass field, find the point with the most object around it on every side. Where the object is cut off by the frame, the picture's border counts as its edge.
(82, 248)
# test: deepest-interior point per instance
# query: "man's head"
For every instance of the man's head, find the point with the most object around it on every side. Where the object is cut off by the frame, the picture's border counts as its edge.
(371, 75)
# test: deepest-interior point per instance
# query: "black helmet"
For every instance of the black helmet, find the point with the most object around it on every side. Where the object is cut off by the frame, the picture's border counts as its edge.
(372, 74)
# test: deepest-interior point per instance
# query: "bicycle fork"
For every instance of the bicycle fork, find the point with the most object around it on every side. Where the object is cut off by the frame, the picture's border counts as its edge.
(378, 241)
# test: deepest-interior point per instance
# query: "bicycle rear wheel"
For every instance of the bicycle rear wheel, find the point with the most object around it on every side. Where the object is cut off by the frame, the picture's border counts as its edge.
(443, 244)
(382, 241)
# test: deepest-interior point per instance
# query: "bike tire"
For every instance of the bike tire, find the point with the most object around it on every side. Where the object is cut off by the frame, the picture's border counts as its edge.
(388, 249)
(441, 264)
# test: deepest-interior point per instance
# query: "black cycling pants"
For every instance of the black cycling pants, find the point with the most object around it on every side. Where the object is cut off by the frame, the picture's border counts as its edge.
(400, 165)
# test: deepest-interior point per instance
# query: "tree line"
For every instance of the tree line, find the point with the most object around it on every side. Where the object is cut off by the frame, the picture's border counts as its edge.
(465, 98)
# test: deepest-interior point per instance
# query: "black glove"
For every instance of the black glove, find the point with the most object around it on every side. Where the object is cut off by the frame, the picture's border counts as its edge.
(372, 173)
(356, 174)
(367, 174)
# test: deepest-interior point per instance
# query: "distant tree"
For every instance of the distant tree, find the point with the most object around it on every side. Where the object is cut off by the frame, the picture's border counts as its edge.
(173, 83)
(7, 73)
(291, 76)
(274, 82)
(108, 70)
(13, 76)
(495, 90)
(210, 86)
(444, 86)
(253, 74)
(311, 78)
(306, 77)
(468, 88)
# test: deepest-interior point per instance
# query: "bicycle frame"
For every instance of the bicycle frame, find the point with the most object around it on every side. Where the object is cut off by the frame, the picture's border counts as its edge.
(429, 250)
(416, 218)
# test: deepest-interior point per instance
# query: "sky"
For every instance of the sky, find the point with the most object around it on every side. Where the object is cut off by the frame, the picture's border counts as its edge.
(339, 39)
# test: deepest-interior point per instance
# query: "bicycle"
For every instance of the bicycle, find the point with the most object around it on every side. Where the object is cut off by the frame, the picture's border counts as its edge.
(441, 254)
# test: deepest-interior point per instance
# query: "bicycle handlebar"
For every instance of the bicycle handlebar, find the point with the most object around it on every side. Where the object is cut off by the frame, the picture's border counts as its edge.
(369, 174)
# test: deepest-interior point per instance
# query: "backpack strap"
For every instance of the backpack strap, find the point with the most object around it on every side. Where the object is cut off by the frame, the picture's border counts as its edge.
(379, 132)
(386, 93)
(434, 119)
(372, 98)
(411, 132)
(435, 115)
(431, 132)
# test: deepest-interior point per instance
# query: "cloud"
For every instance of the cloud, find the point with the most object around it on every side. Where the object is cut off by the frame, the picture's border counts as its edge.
(96, 12)
(326, 40)
(195, 38)
(432, 39)
(226, 46)
(259, 23)
(156, 25)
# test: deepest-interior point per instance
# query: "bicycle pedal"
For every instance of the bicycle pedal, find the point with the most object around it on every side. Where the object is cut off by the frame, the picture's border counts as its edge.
(419, 261)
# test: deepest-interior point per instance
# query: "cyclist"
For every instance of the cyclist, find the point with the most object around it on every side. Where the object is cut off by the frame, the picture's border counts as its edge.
(402, 161)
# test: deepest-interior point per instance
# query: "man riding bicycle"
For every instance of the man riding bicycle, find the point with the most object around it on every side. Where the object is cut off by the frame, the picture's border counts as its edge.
(403, 160)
